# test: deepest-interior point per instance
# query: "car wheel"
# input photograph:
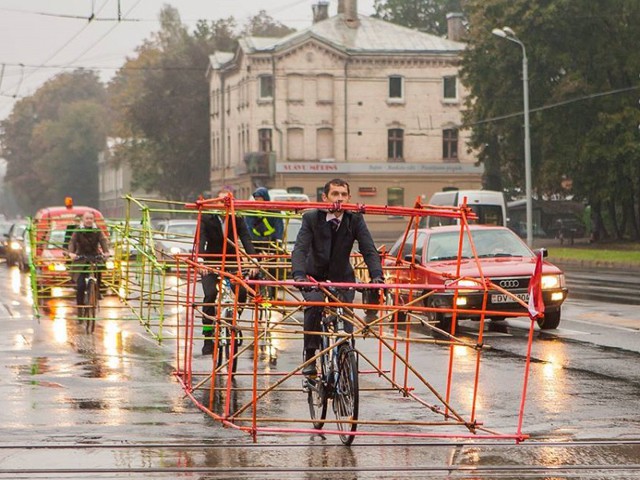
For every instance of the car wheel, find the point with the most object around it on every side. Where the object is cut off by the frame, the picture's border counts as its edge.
(438, 319)
(550, 321)
(390, 300)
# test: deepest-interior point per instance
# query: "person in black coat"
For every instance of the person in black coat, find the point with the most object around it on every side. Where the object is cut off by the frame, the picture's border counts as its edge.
(211, 246)
(322, 251)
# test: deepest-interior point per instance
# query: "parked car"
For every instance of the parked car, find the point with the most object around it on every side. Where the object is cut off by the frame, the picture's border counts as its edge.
(173, 237)
(18, 245)
(5, 226)
(502, 257)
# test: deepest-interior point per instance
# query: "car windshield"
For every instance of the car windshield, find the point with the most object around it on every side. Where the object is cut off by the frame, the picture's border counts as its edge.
(19, 230)
(488, 243)
(56, 239)
(181, 230)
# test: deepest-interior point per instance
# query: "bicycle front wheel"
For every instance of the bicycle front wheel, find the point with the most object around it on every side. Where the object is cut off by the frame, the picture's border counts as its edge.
(91, 302)
(346, 398)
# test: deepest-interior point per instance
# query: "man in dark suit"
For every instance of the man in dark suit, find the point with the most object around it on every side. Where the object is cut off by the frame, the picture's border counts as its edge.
(211, 247)
(322, 250)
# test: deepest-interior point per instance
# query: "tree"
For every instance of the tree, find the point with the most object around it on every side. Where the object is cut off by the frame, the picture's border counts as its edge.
(161, 102)
(582, 72)
(51, 141)
(429, 16)
(263, 25)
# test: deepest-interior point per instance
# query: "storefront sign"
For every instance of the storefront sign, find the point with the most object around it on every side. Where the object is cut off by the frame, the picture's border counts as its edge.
(377, 168)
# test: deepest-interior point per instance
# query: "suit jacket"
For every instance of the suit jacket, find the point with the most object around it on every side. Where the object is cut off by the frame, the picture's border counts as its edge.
(316, 254)
(212, 235)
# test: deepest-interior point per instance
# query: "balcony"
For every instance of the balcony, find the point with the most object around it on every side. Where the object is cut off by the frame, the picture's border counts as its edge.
(261, 163)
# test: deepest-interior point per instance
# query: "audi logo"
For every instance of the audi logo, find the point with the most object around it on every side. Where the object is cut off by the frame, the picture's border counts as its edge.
(509, 283)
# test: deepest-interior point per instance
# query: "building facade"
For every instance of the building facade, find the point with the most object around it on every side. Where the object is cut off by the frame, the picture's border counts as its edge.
(352, 97)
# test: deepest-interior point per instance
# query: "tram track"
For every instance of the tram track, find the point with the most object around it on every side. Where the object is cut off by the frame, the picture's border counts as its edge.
(366, 460)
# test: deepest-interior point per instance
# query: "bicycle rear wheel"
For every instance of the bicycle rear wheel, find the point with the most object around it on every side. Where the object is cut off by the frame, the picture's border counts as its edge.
(317, 396)
(224, 344)
(346, 398)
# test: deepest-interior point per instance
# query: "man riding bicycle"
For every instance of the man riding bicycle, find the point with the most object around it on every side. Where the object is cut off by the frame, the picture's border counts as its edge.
(322, 251)
(87, 241)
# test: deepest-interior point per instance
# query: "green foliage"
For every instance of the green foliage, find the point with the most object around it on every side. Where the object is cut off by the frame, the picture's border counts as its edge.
(161, 103)
(51, 142)
(583, 85)
(428, 16)
(263, 25)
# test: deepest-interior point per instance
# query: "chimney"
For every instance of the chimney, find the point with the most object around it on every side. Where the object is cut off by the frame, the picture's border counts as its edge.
(455, 29)
(320, 11)
(350, 10)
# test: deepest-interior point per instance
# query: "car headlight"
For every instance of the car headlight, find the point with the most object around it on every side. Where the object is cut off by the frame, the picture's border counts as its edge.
(550, 282)
(464, 285)
(175, 250)
(15, 246)
(109, 265)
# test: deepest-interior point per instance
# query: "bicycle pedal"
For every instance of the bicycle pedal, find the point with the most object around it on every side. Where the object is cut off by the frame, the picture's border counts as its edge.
(308, 384)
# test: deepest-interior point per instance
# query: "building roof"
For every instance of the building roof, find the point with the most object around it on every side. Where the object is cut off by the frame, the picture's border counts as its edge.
(372, 35)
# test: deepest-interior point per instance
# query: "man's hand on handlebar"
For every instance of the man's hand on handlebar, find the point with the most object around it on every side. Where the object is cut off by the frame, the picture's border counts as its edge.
(302, 288)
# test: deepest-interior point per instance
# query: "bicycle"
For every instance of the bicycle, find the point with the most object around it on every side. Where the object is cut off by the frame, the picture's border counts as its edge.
(337, 378)
(226, 354)
(89, 305)
(267, 346)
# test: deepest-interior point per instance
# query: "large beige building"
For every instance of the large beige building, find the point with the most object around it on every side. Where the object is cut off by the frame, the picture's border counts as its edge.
(352, 97)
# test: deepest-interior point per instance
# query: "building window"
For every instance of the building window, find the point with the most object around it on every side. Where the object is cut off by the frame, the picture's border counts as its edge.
(295, 87)
(450, 144)
(395, 145)
(450, 88)
(395, 197)
(264, 136)
(266, 87)
(395, 87)
(324, 88)
(295, 144)
(324, 144)
(319, 193)
(295, 190)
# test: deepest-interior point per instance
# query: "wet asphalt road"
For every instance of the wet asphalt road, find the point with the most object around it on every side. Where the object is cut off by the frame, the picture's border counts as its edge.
(107, 406)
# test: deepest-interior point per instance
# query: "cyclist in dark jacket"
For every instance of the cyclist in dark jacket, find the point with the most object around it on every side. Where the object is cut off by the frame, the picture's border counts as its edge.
(212, 240)
(87, 241)
(322, 251)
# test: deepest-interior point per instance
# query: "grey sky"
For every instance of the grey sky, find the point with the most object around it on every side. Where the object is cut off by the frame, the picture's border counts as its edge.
(39, 34)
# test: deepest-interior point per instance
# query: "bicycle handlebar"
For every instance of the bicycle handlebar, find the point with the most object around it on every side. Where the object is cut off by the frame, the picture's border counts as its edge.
(91, 258)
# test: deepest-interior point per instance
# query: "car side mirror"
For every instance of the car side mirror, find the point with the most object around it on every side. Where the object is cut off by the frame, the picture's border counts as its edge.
(545, 252)
(410, 258)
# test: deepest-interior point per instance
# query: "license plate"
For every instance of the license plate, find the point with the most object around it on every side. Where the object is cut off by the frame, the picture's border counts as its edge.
(504, 298)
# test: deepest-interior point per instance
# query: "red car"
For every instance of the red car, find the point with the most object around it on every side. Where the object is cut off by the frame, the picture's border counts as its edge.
(503, 257)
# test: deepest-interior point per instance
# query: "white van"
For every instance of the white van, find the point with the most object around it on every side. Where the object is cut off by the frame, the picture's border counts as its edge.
(281, 195)
(489, 206)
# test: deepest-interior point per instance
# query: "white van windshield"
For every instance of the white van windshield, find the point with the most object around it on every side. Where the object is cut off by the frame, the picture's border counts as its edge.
(487, 215)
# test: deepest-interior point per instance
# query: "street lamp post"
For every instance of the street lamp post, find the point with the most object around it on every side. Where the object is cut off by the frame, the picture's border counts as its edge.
(506, 32)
